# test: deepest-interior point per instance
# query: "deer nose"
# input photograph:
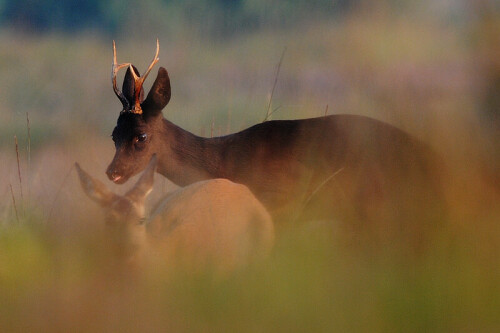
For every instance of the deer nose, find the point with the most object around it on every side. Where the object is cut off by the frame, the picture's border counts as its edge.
(113, 174)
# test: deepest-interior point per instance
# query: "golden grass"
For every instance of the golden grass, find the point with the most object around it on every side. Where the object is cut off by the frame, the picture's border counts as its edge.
(56, 269)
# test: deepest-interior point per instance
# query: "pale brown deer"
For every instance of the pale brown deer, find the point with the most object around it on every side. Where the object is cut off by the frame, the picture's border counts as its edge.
(209, 224)
(338, 165)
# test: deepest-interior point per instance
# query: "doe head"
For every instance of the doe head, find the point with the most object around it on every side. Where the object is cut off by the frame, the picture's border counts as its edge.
(120, 210)
(137, 132)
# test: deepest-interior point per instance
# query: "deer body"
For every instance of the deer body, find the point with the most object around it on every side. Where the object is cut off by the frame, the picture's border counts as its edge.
(309, 167)
(212, 219)
(289, 159)
(214, 222)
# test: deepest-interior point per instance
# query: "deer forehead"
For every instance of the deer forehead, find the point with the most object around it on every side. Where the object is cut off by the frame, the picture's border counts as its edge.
(125, 207)
(129, 125)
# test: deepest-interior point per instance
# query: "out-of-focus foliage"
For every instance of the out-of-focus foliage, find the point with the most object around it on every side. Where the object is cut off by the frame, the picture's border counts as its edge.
(432, 71)
(47, 15)
(212, 17)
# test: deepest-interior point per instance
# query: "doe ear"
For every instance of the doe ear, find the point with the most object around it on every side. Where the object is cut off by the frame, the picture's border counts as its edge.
(128, 87)
(95, 190)
(159, 95)
(144, 185)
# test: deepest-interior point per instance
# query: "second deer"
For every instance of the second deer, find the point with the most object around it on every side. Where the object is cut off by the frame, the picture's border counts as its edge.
(214, 222)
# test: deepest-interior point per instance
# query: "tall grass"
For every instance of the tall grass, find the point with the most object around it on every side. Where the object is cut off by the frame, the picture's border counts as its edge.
(56, 269)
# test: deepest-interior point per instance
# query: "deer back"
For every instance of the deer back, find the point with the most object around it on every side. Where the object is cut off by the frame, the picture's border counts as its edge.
(212, 221)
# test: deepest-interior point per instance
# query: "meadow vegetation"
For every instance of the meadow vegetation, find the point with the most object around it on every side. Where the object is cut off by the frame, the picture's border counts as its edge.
(428, 75)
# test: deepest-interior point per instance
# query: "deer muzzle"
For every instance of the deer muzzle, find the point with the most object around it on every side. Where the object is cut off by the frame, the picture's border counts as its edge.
(115, 175)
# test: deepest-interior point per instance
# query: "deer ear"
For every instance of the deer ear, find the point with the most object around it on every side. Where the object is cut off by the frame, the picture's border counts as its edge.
(159, 95)
(144, 185)
(95, 190)
(128, 87)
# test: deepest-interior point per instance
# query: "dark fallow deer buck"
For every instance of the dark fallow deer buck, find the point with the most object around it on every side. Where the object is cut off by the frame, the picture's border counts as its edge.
(319, 168)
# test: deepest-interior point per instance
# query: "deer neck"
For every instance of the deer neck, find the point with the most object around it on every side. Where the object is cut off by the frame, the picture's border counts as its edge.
(185, 158)
(128, 241)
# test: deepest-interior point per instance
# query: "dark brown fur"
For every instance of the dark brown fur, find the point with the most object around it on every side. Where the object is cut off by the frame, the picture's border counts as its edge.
(339, 165)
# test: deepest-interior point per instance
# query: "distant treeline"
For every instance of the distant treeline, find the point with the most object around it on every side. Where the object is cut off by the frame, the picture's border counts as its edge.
(219, 17)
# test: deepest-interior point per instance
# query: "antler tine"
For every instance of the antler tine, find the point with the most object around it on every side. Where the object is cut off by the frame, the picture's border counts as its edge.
(114, 71)
(139, 80)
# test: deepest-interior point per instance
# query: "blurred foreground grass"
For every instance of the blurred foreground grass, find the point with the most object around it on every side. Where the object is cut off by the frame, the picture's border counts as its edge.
(56, 272)
(310, 283)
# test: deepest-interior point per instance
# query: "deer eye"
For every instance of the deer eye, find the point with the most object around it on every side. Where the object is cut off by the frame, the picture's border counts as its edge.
(142, 137)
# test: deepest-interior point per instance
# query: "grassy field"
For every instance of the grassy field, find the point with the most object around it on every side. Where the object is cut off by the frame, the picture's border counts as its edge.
(56, 270)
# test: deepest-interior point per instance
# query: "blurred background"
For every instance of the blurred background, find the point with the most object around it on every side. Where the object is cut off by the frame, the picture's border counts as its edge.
(430, 67)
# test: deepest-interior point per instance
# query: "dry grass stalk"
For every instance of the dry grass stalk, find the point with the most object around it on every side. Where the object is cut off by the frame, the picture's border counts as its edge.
(49, 216)
(19, 172)
(229, 113)
(14, 202)
(268, 114)
(28, 148)
(212, 127)
(320, 186)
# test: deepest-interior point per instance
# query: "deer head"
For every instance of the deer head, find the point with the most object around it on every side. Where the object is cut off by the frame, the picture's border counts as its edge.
(139, 120)
(123, 213)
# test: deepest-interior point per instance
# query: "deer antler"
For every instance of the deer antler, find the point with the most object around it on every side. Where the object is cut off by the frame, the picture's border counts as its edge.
(139, 80)
(114, 70)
